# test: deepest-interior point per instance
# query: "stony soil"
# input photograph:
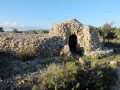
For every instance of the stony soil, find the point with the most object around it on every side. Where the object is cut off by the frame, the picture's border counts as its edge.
(117, 86)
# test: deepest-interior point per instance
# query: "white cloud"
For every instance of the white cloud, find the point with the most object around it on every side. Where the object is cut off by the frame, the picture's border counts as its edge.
(10, 24)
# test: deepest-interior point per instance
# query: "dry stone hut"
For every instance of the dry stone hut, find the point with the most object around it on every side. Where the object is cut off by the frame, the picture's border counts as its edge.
(86, 38)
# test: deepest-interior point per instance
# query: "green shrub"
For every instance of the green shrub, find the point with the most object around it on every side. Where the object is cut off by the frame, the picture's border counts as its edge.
(59, 76)
(44, 31)
(16, 31)
(69, 58)
(1, 29)
(35, 87)
(87, 57)
(27, 53)
(72, 76)
(92, 58)
(97, 78)
(34, 32)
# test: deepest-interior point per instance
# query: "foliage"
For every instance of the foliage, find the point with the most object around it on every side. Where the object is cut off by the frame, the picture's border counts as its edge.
(73, 76)
(93, 28)
(117, 32)
(40, 31)
(58, 76)
(27, 53)
(16, 31)
(35, 87)
(44, 31)
(91, 58)
(34, 32)
(110, 35)
(1, 29)
(97, 78)
(69, 58)
(107, 32)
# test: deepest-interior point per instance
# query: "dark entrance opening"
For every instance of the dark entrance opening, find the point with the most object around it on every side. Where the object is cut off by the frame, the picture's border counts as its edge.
(73, 43)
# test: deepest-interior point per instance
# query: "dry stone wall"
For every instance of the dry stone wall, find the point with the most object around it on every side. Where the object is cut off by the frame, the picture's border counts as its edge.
(52, 43)
(14, 44)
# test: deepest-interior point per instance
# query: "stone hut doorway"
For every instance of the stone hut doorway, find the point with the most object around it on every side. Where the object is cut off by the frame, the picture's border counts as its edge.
(73, 43)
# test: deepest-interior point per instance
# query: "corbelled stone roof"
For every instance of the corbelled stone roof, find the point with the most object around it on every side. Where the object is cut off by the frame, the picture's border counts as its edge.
(88, 39)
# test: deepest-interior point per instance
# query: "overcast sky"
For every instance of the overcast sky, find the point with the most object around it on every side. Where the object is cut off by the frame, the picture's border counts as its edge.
(43, 13)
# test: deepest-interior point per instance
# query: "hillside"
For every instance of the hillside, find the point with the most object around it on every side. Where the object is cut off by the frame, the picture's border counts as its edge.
(71, 56)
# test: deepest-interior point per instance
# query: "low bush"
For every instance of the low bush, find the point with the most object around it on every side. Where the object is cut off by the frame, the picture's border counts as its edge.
(69, 58)
(16, 31)
(44, 31)
(27, 53)
(73, 76)
(34, 32)
(1, 29)
(91, 58)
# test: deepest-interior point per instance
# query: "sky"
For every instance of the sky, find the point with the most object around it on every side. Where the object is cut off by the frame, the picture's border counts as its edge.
(41, 14)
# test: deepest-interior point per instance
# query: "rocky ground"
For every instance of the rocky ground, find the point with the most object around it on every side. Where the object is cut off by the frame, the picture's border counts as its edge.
(117, 86)
(17, 74)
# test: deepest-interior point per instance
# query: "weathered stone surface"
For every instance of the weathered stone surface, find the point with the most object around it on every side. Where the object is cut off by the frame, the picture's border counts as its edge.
(50, 44)
(86, 38)
(65, 51)
(100, 53)
(82, 62)
(115, 63)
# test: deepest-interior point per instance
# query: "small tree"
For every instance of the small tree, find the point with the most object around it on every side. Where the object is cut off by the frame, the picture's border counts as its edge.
(106, 31)
(34, 32)
(1, 29)
(93, 28)
(110, 35)
(117, 31)
(15, 30)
